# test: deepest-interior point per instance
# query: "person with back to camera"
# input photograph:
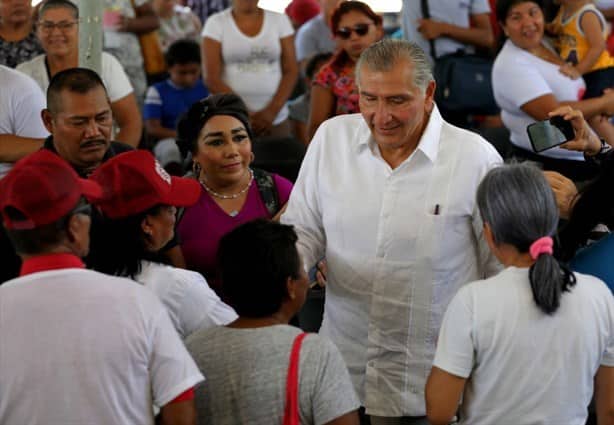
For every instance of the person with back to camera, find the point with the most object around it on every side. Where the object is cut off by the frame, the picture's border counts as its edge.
(528, 84)
(247, 362)
(355, 27)
(217, 132)
(530, 344)
(140, 207)
(85, 347)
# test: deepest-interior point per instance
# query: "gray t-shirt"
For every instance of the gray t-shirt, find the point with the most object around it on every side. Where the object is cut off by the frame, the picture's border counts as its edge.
(456, 12)
(314, 37)
(246, 372)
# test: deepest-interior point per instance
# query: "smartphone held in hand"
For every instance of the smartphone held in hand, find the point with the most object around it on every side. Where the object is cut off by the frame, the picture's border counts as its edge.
(547, 134)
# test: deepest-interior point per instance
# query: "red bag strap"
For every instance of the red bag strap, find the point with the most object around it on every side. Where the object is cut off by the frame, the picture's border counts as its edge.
(291, 416)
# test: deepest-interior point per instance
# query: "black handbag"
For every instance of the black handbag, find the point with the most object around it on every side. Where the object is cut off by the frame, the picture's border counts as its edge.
(464, 81)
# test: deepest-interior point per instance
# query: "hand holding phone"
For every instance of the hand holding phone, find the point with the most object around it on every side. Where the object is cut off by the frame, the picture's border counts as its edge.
(547, 134)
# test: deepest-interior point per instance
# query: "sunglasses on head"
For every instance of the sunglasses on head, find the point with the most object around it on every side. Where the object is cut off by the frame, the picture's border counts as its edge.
(346, 32)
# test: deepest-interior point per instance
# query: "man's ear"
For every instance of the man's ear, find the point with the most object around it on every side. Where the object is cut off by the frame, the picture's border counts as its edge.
(429, 96)
(47, 119)
(291, 288)
(76, 230)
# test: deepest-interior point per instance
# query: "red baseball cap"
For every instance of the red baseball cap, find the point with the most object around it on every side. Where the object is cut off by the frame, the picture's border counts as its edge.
(300, 11)
(43, 188)
(134, 182)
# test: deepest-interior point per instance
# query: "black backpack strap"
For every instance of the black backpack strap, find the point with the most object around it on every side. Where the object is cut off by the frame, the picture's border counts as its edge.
(426, 14)
(268, 190)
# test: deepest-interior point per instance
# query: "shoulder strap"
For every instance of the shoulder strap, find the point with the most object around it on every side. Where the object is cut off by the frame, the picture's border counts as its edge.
(426, 14)
(268, 190)
(291, 415)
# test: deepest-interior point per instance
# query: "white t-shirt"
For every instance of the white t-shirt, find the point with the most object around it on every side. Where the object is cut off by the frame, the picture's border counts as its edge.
(112, 73)
(21, 103)
(519, 77)
(526, 367)
(191, 304)
(81, 347)
(252, 65)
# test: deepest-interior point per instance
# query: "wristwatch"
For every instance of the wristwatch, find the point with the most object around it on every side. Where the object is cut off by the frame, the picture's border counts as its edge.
(605, 149)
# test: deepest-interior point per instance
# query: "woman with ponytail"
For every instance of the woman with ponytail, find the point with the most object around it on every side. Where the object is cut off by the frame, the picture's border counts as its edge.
(525, 346)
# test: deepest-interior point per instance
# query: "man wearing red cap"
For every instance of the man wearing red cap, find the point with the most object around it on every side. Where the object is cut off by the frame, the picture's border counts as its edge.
(79, 346)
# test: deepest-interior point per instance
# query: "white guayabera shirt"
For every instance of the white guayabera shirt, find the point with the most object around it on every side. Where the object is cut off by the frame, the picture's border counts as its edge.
(393, 264)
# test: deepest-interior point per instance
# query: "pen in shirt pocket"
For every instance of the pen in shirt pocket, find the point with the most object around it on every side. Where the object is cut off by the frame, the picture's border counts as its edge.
(437, 209)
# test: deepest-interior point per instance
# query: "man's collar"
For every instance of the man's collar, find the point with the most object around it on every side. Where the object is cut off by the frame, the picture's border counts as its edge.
(429, 141)
(115, 148)
(47, 262)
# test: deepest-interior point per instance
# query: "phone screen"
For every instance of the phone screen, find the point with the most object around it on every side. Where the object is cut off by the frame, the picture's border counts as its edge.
(544, 135)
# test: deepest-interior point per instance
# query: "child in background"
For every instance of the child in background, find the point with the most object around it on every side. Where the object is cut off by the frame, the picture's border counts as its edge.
(581, 32)
(299, 107)
(167, 100)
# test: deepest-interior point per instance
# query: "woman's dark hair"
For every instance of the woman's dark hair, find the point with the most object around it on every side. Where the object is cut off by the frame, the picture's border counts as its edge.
(117, 246)
(54, 4)
(191, 122)
(593, 206)
(353, 6)
(255, 261)
(341, 57)
(519, 206)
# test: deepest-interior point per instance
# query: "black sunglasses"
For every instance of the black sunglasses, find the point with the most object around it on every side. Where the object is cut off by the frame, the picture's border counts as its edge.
(346, 32)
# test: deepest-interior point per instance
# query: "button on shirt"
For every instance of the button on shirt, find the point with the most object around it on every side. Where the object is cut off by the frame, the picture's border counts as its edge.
(393, 264)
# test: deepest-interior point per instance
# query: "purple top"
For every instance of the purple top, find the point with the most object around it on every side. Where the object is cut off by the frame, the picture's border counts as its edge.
(203, 225)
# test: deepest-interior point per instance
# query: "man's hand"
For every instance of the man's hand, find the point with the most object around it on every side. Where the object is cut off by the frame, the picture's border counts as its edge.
(565, 192)
(431, 29)
(321, 272)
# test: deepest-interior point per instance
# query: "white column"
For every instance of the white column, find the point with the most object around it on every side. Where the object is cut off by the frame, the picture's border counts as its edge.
(90, 34)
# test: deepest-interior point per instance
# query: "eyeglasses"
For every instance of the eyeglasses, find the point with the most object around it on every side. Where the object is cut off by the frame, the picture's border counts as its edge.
(64, 26)
(346, 32)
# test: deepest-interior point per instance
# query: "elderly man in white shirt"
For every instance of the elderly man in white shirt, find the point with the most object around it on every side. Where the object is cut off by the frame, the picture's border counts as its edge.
(389, 198)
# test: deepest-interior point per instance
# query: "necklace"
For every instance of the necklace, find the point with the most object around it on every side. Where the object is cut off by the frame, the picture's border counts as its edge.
(234, 195)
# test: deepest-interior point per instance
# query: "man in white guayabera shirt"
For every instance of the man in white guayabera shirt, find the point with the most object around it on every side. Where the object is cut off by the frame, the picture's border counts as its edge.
(389, 198)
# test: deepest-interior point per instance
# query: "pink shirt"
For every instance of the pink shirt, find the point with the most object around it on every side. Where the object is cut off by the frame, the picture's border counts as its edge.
(203, 225)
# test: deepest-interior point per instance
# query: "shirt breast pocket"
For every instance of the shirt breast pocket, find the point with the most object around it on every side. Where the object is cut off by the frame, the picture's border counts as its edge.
(452, 239)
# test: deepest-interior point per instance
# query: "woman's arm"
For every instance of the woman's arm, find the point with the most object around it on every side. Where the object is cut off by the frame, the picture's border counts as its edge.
(539, 108)
(263, 119)
(443, 393)
(604, 388)
(479, 34)
(145, 20)
(213, 64)
(126, 113)
(321, 108)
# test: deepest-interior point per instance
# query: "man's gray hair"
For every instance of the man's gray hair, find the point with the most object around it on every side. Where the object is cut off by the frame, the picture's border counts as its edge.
(385, 54)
